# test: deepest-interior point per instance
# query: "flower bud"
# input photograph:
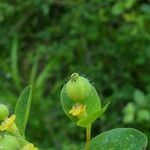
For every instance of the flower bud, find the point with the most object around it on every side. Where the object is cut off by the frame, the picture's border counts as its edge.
(4, 112)
(78, 88)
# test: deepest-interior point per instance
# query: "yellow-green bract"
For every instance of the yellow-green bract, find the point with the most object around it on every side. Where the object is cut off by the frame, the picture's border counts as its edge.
(78, 88)
(92, 103)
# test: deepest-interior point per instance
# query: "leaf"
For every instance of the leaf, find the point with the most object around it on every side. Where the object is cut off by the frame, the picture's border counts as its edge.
(45, 74)
(129, 112)
(23, 108)
(14, 62)
(130, 108)
(140, 98)
(145, 8)
(90, 119)
(118, 8)
(93, 107)
(129, 3)
(143, 115)
(34, 70)
(120, 139)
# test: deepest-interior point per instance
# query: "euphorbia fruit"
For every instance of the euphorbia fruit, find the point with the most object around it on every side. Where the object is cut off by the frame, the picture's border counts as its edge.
(4, 112)
(78, 88)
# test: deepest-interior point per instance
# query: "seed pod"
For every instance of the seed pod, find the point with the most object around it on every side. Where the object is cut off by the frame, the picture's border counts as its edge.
(78, 88)
(4, 112)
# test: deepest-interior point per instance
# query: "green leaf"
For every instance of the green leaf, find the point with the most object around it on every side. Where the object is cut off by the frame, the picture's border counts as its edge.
(120, 139)
(129, 3)
(143, 115)
(45, 74)
(23, 108)
(34, 70)
(14, 62)
(93, 107)
(140, 98)
(129, 112)
(146, 9)
(118, 8)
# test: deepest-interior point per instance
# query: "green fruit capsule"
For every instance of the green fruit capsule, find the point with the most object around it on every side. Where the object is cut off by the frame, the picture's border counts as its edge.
(4, 112)
(9, 143)
(78, 88)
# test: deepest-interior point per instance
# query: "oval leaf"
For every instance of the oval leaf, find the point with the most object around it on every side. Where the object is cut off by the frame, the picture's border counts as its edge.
(120, 139)
(23, 108)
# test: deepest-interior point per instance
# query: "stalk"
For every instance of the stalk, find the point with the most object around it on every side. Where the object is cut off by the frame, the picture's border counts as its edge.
(88, 137)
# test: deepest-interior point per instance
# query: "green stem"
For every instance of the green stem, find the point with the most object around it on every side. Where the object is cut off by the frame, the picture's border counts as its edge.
(88, 137)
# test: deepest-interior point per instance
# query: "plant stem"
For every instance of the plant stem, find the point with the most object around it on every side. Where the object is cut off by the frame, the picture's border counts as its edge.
(88, 136)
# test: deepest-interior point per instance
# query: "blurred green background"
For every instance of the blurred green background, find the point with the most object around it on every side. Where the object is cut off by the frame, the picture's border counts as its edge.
(43, 41)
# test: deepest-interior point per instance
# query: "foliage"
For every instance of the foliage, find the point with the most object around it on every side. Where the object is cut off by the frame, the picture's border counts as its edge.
(120, 138)
(22, 109)
(42, 42)
(12, 128)
(87, 109)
